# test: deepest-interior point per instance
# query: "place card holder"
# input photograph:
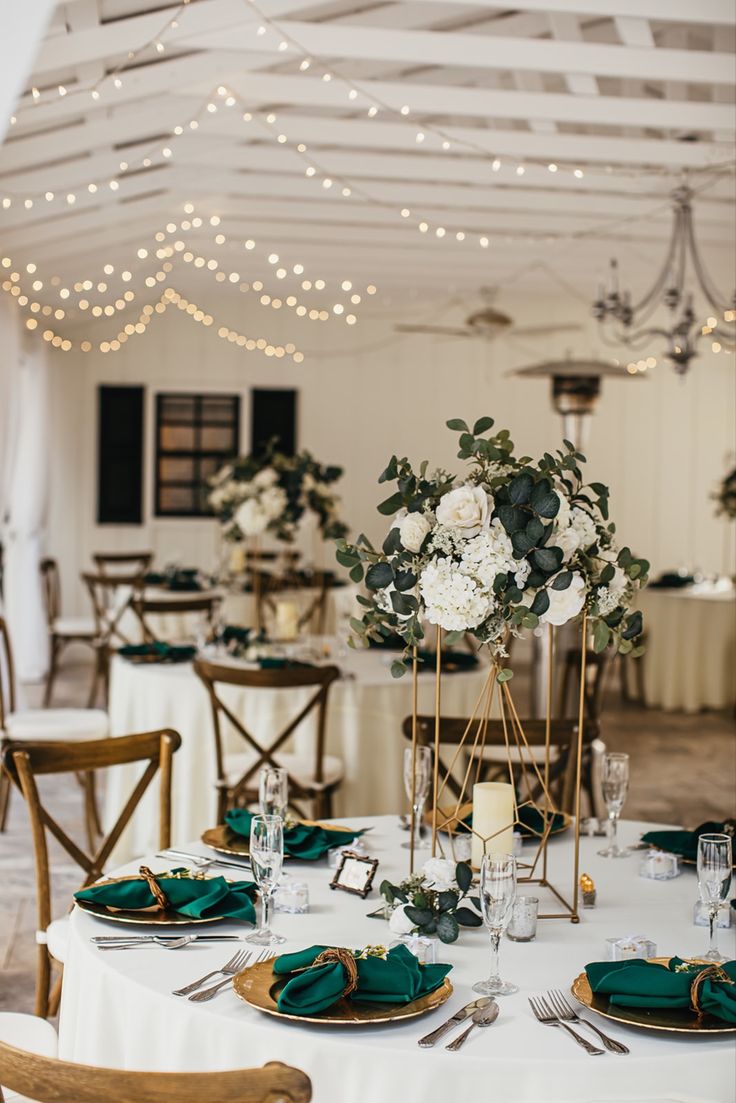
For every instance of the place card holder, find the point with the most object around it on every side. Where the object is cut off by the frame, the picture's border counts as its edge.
(355, 874)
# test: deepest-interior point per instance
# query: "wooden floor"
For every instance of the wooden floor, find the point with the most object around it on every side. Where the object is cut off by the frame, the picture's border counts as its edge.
(683, 771)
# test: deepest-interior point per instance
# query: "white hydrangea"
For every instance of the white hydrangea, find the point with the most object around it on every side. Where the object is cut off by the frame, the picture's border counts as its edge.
(225, 494)
(265, 478)
(584, 526)
(488, 555)
(453, 600)
(251, 518)
(273, 502)
(607, 600)
(562, 517)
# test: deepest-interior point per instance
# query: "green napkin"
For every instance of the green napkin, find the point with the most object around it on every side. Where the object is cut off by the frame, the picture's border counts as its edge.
(451, 662)
(685, 843)
(283, 664)
(641, 983)
(301, 841)
(159, 652)
(531, 821)
(200, 899)
(396, 979)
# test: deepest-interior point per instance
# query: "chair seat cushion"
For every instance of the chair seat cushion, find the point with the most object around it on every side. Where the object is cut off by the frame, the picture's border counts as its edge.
(300, 767)
(57, 938)
(30, 1033)
(60, 724)
(74, 626)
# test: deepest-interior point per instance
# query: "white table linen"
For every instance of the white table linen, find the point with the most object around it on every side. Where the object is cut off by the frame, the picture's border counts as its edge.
(690, 661)
(365, 714)
(117, 1009)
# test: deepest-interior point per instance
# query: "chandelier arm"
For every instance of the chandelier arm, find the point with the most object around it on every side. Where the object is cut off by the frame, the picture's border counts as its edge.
(661, 280)
(703, 278)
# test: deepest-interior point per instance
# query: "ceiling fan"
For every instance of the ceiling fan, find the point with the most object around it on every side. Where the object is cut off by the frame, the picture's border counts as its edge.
(487, 322)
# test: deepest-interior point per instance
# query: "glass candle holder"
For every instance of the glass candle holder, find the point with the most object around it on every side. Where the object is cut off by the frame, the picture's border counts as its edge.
(291, 896)
(523, 924)
(657, 865)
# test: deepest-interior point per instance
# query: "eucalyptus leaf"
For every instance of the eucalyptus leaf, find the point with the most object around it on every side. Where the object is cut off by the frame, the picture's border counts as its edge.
(562, 580)
(379, 576)
(457, 424)
(447, 928)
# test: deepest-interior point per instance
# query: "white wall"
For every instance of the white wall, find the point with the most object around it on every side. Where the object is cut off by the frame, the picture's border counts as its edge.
(661, 443)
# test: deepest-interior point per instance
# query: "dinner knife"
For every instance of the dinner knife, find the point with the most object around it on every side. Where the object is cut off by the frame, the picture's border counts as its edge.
(103, 938)
(460, 1016)
(178, 855)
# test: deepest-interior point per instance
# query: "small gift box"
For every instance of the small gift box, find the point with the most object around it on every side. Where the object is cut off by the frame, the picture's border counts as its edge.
(658, 865)
(424, 949)
(700, 915)
(632, 946)
(291, 896)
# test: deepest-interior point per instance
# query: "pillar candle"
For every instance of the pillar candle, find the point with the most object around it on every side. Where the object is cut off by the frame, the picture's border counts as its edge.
(287, 620)
(237, 559)
(494, 812)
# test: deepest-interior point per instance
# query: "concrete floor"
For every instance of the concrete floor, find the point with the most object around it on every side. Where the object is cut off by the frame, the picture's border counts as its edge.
(683, 771)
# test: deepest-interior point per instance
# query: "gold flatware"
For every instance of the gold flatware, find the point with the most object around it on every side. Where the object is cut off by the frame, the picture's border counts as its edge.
(568, 1013)
(230, 967)
(459, 1017)
(543, 1013)
(483, 1017)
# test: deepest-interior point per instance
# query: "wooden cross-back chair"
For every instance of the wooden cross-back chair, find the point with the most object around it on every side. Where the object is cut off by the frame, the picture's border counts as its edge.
(268, 587)
(312, 780)
(62, 630)
(111, 597)
(48, 1080)
(562, 767)
(206, 605)
(25, 761)
(122, 562)
(597, 666)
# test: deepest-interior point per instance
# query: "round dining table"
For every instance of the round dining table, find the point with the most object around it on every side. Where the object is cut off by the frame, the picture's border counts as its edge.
(365, 713)
(118, 1009)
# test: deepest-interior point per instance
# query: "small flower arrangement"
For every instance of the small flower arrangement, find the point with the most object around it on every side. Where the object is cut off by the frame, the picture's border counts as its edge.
(428, 903)
(252, 496)
(512, 544)
(725, 497)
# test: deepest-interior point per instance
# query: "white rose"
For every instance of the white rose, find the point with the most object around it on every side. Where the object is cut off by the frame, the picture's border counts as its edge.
(273, 502)
(439, 874)
(399, 922)
(467, 508)
(413, 527)
(568, 539)
(265, 478)
(562, 517)
(251, 518)
(565, 604)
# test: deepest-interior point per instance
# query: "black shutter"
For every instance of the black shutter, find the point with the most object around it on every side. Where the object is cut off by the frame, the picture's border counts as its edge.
(120, 456)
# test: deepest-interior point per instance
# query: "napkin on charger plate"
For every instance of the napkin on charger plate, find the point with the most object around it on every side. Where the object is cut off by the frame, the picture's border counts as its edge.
(159, 652)
(305, 841)
(685, 843)
(644, 984)
(374, 975)
(197, 897)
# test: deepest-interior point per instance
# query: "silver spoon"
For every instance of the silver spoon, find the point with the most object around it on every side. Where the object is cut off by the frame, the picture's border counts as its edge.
(484, 1016)
(167, 943)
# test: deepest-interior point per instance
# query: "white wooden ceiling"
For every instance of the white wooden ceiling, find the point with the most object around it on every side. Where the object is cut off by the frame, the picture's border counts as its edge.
(620, 95)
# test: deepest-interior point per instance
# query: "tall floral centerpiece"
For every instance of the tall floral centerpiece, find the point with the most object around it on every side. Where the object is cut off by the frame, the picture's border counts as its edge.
(511, 544)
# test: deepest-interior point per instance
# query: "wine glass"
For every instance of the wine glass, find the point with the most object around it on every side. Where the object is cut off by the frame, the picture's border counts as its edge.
(266, 858)
(715, 863)
(273, 791)
(497, 895)
(615, 785)
(417, 778)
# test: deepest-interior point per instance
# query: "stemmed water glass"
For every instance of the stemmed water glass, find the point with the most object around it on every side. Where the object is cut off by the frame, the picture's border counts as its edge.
(715, 863)
(497, 895)
(417, 778)
(273, 791)
(615, 785)
(266, 858)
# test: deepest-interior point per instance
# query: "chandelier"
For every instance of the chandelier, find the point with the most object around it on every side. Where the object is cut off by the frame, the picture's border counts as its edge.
(625, 322)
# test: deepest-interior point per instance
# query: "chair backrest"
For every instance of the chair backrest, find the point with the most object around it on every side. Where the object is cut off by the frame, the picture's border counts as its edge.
(7, 674)
(206, 605)
(563, 736)
(214, 675)
(49, 1080)
(51, 586)
(25, 761)
(122, 562)
(111, 596)
(597, 666)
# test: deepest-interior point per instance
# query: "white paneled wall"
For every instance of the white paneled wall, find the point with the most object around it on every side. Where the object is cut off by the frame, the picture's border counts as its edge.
(661, 443)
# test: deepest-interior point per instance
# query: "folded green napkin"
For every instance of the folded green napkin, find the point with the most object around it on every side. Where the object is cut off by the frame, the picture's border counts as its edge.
(397, 978)
(685, 843)
(531, 821)
(451, 661)
(282, 664)
(200, 899)
(644, 984)
(301, 841)
(159, 652)
(235, 633)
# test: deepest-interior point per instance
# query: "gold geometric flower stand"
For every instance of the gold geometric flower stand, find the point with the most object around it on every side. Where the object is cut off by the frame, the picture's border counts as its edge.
(527, 772)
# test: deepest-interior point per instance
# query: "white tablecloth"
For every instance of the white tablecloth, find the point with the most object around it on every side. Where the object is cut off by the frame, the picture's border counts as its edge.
(117, 1010)
(690, 661)
(363, 728)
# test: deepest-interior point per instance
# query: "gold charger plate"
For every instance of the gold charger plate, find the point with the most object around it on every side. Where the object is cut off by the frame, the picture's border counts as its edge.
(226, 841)
(676, 1021)
(258, 987)
(166, 918)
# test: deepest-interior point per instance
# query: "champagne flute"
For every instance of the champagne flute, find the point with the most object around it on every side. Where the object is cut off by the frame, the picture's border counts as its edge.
(715, 864)
(266, 858)
(615, 785)
(273, 791)
(497, 895)
(417, 778)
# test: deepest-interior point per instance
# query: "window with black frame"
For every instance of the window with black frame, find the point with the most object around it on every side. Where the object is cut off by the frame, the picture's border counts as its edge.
(195, 435)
